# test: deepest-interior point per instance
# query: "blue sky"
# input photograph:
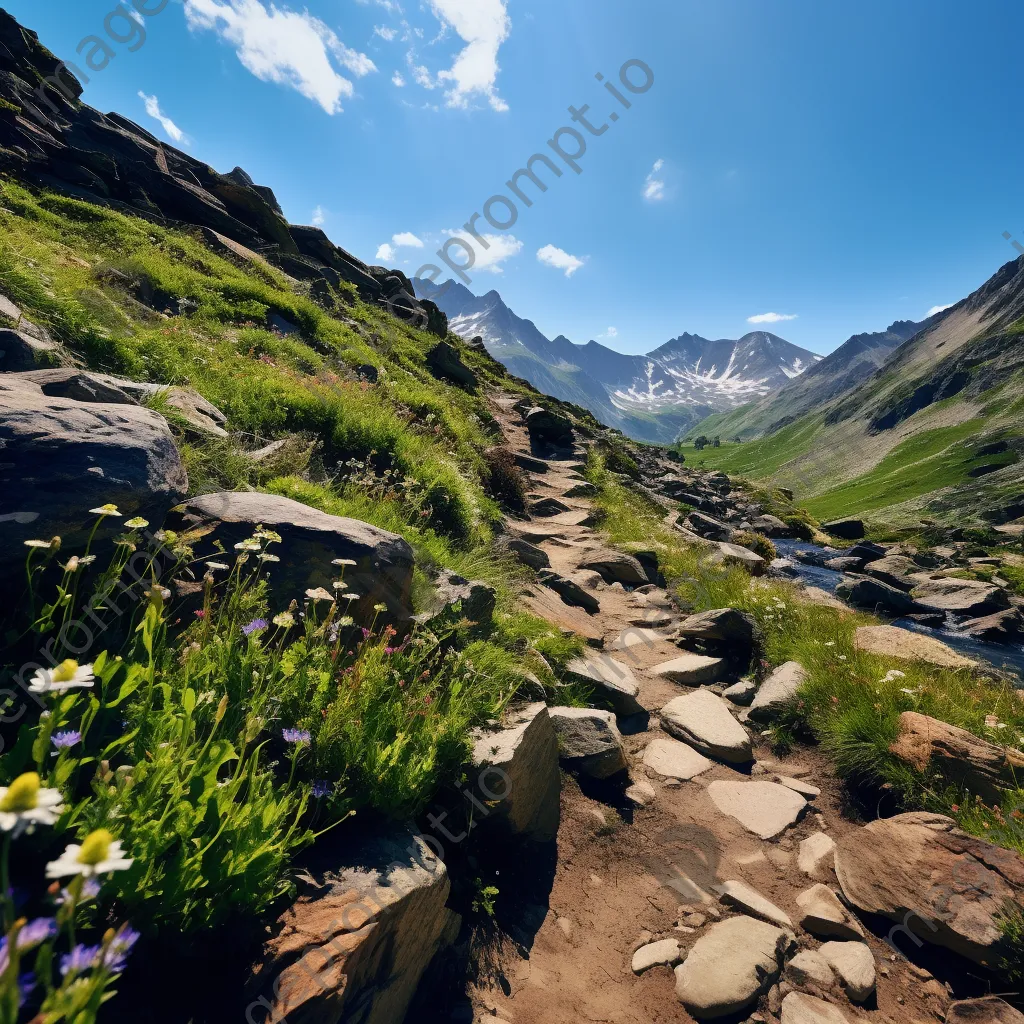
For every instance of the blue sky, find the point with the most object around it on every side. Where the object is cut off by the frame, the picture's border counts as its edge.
(843, 165)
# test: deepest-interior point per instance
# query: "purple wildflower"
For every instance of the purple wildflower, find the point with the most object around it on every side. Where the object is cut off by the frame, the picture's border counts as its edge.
(296, 735)
(81, 958)
(116, 957)
(366, 633)
(322, 788)
(90, 890)
(256, 626)
(65, 739)
(37, 931)
(26, 983)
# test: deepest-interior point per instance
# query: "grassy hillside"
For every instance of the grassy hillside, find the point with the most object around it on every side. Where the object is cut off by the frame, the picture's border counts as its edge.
(936, 433)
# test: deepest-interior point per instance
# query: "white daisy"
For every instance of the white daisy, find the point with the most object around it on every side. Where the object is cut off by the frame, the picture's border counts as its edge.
(66, 676)
(105, 510)
(344, 561)
(99, 854)
(25, 804)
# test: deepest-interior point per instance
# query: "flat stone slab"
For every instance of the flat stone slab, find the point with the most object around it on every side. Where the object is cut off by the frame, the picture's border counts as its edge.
(893, 642)
(656, 954)
(764, 808)
(690, 669)
(742, 897)
(729, 966)
(611, 679)
(675, 760)
(637, 636)
(805, 789)
(778, 690)
(703, 720)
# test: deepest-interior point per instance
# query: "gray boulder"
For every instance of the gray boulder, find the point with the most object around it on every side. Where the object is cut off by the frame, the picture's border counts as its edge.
(616, 567)
(589, 741)
(612, 680)
(311, 540)
(702, 720)
(475, 600)
(527, 553)
(444, 362)
(709, 528)
(569, 591)
(550, 428)
(20, 351)
(719, 624)
(970, 598)
(864, 592)
(998, 628)
(516, 768)
(845, 529)
(62, 457)
(777, 691)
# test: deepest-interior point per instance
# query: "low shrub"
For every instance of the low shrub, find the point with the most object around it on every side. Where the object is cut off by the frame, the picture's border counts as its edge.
(756, 542)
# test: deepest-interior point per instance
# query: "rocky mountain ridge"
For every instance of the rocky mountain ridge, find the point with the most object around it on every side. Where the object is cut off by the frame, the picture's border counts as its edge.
(650, 397)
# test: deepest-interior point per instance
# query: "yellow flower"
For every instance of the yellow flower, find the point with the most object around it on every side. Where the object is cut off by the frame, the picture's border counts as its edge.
(284, 619)
(105, 510)
(138, 523)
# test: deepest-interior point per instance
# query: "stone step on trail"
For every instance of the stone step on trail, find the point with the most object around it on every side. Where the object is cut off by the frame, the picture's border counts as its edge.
(702, 720)
(764, 808)
(612, 681)
(690, 669)
(675, 760)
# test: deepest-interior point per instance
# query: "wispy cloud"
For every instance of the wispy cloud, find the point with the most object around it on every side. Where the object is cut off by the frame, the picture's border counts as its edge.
(552, 256)
(407, 238)
(771, 318)
(654, 186)
(386, 253)
(483, 25)
(319, 217)
(939, 309)
(387, 34)
(154, 111)
(285, 47)
(398, 80)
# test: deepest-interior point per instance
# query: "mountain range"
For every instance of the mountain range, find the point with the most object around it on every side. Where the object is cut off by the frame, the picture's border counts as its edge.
(652, 397)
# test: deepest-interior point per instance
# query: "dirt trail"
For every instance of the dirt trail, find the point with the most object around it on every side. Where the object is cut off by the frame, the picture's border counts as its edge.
(627, 874)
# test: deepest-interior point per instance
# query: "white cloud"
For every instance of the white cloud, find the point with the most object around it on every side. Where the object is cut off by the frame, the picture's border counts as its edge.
(552, 256)
(318, 217)
(612, 332)
(483, 25)
(771, 318)
(939, 309)
(501, 248)
(387, 34)
(386, 253)
(420, 75)
(285, 47)
(154, 111)
(407, 238)
(398, 80)
(654, 187)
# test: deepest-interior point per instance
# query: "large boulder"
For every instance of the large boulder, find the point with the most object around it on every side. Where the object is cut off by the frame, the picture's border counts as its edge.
(527, 553)
(957, 756)
(723, 625)
(589, 741)
(369, 919)
(893, 570)
(518, 764)
(778, 691)
(736, 554)
(310, 541)
(986, 1010)
(549, 428)
(730, 966)
(893, 642)
(845, 529)
(61, 457)
(854, 966)
(611, 680)
(939, 884)
(872, 594)
(616, 567)
(969, 598)
(20, 351)
(569, 591)
(78, 385)
(703, 721)
(444, 362)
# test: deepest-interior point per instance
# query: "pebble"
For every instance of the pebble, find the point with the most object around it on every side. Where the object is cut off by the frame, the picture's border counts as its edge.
(566, 927)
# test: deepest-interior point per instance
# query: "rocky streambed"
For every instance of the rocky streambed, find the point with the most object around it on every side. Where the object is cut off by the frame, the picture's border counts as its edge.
(807, 562)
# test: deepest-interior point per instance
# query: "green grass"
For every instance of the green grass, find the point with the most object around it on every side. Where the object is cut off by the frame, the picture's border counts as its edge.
(758, 459)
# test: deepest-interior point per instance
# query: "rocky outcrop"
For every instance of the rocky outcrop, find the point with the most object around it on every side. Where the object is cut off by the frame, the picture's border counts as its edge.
(893, 642)
(62, 457)
(310, 541)
(958, 757)
(709, 528)
(48, 136)
(970, 598)
(589, 741)
(359, 938)
(517, 766)
(729, 966)
(941, 885)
